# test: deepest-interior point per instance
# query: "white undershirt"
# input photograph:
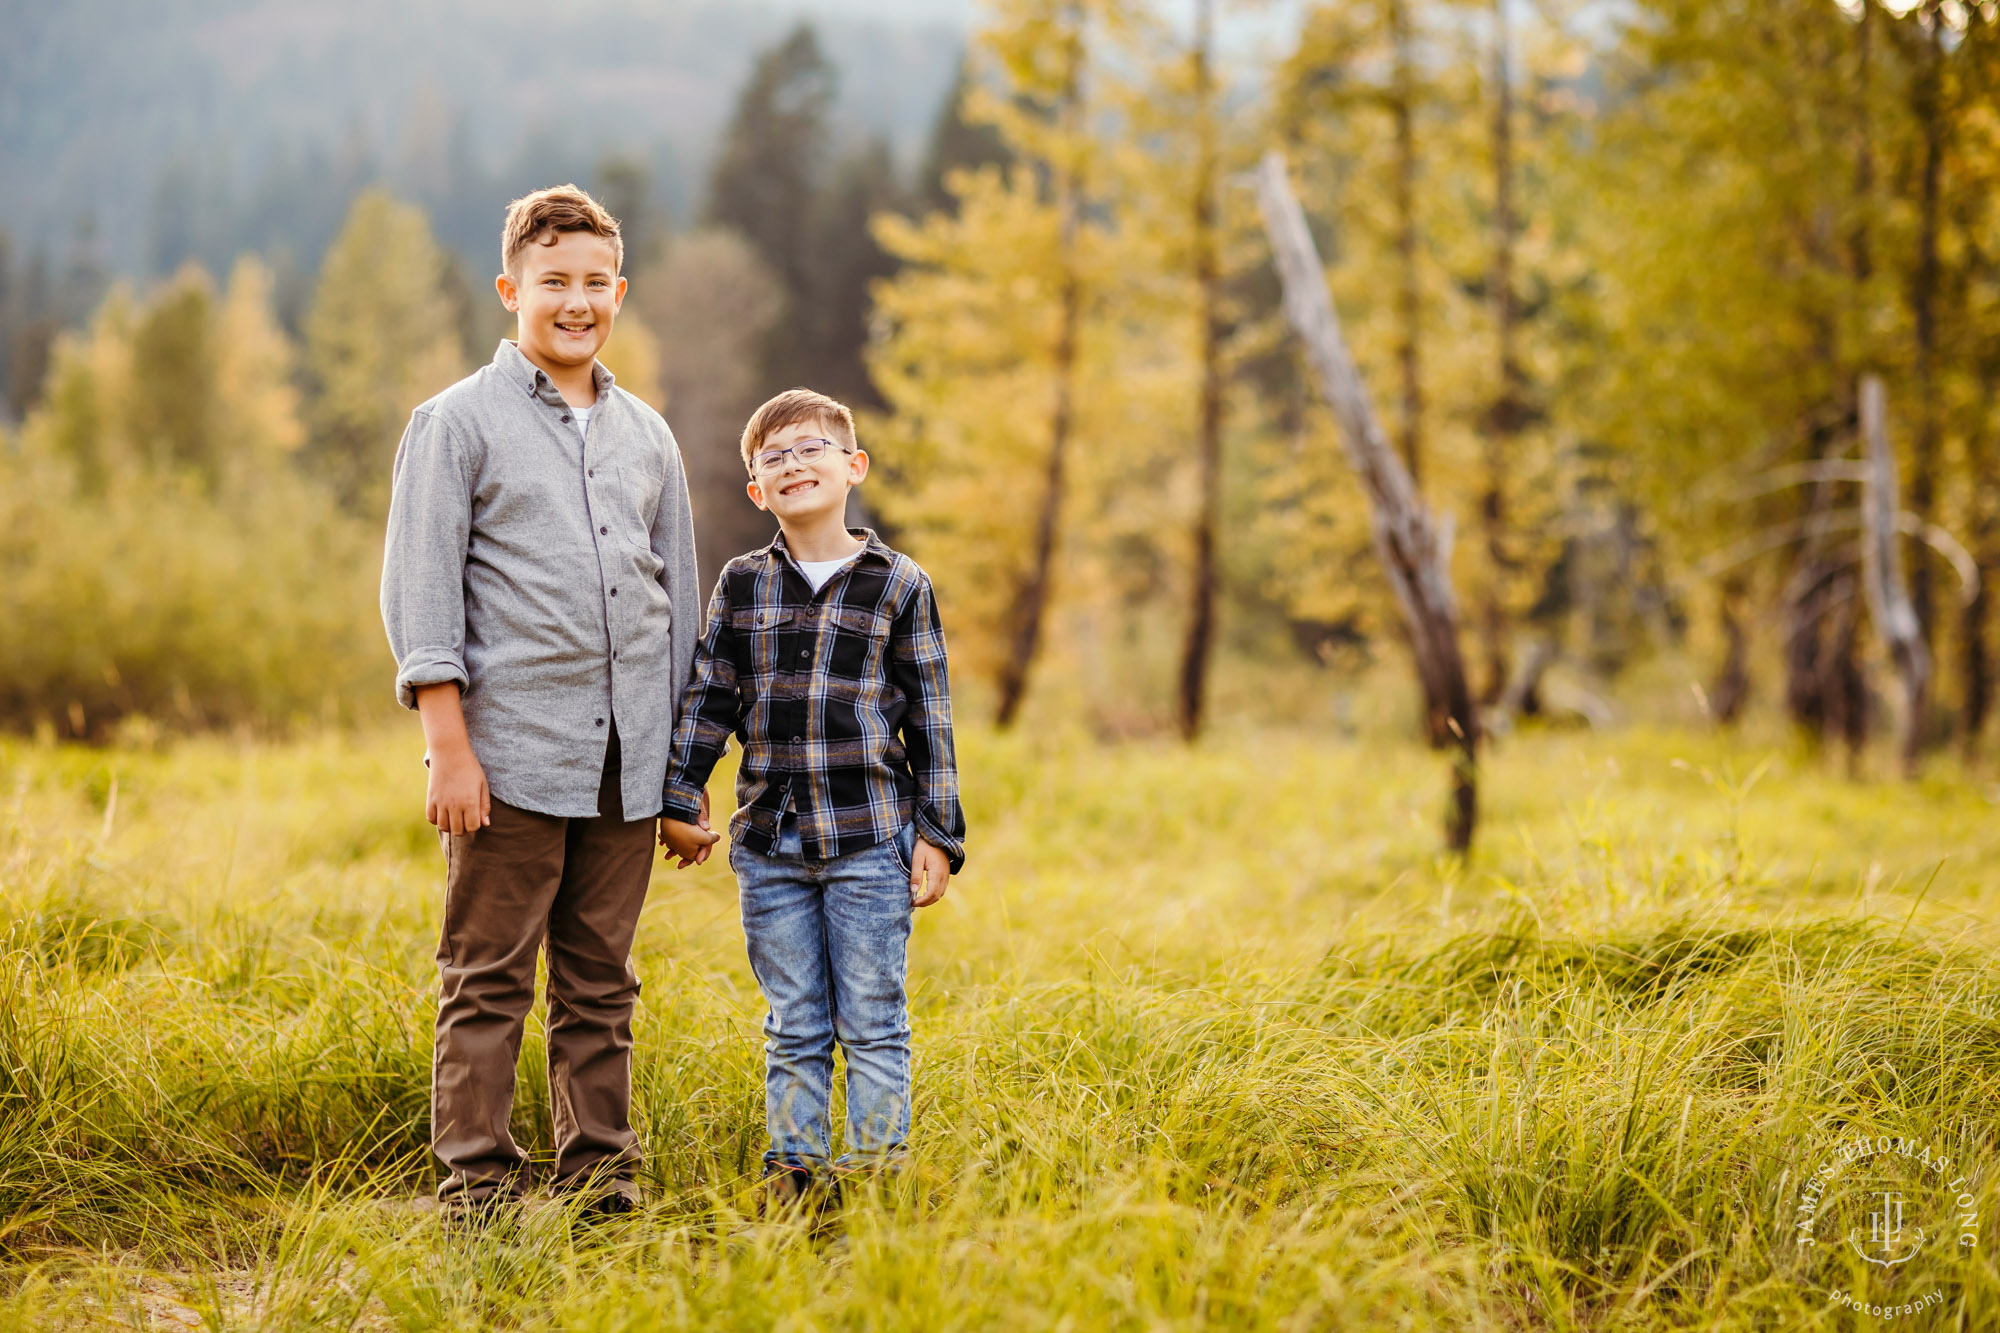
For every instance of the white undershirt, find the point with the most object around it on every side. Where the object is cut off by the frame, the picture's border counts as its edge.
(582, 415)
(817, 572)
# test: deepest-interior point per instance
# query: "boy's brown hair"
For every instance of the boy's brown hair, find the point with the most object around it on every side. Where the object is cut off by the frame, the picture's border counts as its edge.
(789, 409)
(539, 217)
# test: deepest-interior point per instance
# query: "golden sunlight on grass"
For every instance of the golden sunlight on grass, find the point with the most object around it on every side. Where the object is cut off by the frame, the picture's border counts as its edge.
(1205, 1036)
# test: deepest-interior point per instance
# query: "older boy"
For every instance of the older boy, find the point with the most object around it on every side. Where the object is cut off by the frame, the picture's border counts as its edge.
(539, 592)
(823, 652)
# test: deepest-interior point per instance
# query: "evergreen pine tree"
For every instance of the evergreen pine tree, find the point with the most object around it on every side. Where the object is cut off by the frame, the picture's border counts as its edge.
(847, 261)
(766, 180)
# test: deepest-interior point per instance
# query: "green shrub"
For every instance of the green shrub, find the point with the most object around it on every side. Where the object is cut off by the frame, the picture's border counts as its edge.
(162, 562)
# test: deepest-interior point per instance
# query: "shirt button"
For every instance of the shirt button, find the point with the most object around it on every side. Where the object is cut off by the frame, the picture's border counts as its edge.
(591, 473)
(805, 652)
(565, 416)
(603, 532)
(614, 592)
(798, 740)
(600, 721)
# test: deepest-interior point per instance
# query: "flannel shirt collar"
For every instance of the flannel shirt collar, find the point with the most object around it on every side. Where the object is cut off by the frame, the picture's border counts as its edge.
(509, 360)
(780, 553)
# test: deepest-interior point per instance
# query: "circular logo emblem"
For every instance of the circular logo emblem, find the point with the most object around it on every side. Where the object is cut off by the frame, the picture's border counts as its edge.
(1883, 1224)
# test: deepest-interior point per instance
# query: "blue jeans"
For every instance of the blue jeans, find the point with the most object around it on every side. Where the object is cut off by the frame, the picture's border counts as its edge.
(828, 942)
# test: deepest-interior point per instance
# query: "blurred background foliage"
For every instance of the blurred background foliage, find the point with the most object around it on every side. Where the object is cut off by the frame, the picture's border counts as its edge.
(1612, 272)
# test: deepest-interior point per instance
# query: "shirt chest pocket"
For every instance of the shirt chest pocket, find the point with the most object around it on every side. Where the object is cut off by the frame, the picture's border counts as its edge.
(633, 505)
(763, 634)
(860, 638)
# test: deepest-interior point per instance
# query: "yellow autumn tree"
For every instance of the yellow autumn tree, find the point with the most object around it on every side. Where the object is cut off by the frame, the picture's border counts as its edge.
(380, 339)
(1000, 358)
(162, 563)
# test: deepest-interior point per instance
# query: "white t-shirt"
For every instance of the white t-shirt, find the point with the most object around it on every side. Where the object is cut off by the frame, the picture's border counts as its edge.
(582, 415)
(817, 572)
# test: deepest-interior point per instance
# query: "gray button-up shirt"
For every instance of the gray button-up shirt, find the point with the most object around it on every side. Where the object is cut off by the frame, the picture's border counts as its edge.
(553, 579)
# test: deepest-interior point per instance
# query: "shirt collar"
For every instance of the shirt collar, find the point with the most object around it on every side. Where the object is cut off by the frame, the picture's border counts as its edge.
(531, 378)
(870, 545)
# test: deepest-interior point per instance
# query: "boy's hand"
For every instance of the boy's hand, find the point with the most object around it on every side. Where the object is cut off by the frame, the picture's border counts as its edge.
(456, 799)
(690, 842)
(930, 874)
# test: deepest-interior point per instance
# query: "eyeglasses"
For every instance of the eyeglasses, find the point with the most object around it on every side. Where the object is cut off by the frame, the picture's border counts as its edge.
(807, 452)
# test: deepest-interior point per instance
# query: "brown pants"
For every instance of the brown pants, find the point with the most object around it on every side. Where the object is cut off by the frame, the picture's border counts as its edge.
(524, 879)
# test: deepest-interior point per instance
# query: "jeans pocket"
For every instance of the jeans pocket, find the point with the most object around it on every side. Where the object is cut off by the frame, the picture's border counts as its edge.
(904, 844)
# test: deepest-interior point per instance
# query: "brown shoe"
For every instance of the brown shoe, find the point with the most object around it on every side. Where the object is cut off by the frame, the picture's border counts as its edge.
(467, 1217)
(790, 1190)
(601, 1214)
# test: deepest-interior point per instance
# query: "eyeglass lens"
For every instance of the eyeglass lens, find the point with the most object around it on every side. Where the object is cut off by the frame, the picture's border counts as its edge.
(806, 451)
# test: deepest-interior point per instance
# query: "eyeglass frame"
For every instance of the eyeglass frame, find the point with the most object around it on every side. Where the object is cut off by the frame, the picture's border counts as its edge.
(757, 468)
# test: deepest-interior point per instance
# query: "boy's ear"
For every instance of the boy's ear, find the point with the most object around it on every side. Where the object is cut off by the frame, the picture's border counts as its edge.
(857, 466)
(618, 294)
(510, 292)
(756, 493)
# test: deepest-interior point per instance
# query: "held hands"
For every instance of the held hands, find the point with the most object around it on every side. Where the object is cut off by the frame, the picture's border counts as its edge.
(690, 842)
(930, 868)
(930, 874)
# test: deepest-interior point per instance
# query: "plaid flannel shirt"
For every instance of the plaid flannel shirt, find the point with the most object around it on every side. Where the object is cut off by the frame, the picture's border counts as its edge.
(839, 697)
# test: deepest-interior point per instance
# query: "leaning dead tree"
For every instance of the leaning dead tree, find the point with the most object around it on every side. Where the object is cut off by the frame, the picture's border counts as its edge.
(1406, 536)
(1889, 603)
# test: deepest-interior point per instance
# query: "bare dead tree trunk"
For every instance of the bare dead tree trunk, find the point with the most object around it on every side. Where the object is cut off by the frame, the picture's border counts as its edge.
(1975, 667)
(1840, 685)
(1030, 605)
(1508, 414)
(1409, 295)
(1731, 689)
(1889, 603)
(1406, 538)
(1825, 689)
(1975, 664)
(1923, 310)
(1208, 280)
(1814, 670)
(1864, 156)
(1523, 695)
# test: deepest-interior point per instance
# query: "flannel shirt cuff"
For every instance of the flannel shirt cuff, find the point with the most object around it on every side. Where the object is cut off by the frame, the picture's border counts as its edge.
(679, 805)
(953, 848)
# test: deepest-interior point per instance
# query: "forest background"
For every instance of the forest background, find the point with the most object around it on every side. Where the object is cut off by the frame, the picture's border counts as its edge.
(1613, 274)
(1209, 1032)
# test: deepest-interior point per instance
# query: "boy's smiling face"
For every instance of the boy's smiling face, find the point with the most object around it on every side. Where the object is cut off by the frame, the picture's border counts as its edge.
(800, 493)
(566, 296)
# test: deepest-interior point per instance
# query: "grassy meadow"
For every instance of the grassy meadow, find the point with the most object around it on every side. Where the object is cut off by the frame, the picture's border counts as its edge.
(1207, 1038)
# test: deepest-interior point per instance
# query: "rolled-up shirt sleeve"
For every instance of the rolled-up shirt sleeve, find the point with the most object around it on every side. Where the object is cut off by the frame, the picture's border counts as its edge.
(423, 560)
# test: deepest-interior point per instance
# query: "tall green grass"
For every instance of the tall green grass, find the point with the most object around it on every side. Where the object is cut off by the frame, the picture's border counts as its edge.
(1206, 1038)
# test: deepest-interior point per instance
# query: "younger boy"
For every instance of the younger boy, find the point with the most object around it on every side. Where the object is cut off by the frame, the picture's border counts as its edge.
(539, 591)
(824, 654)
